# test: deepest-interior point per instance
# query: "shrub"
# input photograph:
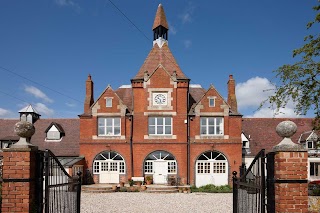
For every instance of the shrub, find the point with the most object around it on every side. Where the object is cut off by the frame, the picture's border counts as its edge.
(210, 188)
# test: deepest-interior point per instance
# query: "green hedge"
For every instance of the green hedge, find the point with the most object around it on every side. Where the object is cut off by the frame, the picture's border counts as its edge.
(210, 188)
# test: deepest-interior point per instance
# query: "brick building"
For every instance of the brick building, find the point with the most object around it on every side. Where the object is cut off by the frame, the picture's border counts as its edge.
(161, 125)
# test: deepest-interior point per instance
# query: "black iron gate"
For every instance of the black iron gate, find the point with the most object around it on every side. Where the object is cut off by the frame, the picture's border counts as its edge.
(249, 190)
(56, 190)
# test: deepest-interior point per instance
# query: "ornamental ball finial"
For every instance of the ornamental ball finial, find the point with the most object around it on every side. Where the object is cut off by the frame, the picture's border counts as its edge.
(24, 129)
(286, 129)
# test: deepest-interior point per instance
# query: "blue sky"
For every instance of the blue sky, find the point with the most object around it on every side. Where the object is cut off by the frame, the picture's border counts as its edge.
(48, 48)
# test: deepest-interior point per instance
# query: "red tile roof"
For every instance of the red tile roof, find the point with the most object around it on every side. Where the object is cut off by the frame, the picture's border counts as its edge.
(263, 134)
(125, 94)
(161, 56)
(160, 18)
(68, 146)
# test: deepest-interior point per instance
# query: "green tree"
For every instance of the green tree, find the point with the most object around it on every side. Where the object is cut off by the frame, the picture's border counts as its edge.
(300, 82)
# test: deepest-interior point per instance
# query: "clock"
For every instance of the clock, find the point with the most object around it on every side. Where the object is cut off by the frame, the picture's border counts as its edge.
(160, 99)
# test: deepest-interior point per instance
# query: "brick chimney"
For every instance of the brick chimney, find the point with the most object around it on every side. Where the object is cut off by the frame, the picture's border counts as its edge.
(232, 99)
(89, 95)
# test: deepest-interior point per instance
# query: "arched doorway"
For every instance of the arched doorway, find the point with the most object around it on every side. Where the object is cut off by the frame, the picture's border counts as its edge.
(109, 165)
(211, 168)
(160, 164)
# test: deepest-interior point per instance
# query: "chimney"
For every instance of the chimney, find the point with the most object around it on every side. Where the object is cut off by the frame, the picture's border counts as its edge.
(89, 95)
(232, 99)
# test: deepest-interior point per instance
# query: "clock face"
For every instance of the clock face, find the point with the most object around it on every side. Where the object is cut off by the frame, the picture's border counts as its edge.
(160, 99)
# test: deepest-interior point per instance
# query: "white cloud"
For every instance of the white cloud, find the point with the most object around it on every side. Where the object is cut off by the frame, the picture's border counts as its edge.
(68, 3)
(71, 104)
(5, 113)
(253, 92)
(186, 16)
(172, 29)
(44, 110)
(37, 93)
(187, 43)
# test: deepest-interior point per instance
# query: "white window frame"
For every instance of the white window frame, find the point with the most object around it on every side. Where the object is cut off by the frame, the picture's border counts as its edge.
(215, 126)
(213, 99)
(315, 169)
(158, 127)
(108, 102)
(312, 144)
(112, 126)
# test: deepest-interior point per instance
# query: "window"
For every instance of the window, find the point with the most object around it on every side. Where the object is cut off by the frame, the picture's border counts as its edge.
(219, 167)
(211, 126)
(172, 167)
(108, 126)
(160, 125)
(211, 102)
(96, 167)
(121, 167)
(108, 102)
(310, 144)
(314, 168)
(148, 167)
(203, 167)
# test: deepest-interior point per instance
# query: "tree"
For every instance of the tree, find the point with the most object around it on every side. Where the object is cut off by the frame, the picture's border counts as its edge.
(300, 82)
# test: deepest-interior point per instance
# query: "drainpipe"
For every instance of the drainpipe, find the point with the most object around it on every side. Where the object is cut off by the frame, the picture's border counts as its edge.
(188, 139)
(131, 144)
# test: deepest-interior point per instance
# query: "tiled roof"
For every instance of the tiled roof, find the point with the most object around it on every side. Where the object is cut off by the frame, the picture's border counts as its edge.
(161, 56)
(125, 94)
(196, 93)
(160, 18)
(262, 131)
(68, 146)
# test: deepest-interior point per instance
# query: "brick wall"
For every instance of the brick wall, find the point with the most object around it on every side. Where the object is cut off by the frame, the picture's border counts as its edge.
(18, 196)
(290, 168)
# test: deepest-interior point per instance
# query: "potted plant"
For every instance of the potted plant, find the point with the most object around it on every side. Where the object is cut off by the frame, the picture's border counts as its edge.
(131, 182)
(149, 180)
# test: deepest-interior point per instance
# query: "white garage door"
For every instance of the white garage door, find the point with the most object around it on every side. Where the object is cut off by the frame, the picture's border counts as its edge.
(211, 168)
(109, 165)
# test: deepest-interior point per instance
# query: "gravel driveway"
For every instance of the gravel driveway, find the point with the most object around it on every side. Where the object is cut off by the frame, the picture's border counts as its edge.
(147, 202)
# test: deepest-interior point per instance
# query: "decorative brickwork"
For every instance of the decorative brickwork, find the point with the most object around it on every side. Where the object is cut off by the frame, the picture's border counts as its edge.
(18, 188)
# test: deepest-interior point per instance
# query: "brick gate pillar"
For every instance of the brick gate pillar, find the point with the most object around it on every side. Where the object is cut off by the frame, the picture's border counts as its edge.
(19, 170)
(290, 172)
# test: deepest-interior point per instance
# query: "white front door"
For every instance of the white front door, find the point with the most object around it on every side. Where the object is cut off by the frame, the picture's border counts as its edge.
(160, 172)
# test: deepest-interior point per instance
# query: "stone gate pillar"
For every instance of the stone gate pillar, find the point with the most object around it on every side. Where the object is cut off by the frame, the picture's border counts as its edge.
(290, 172)
(19, 169)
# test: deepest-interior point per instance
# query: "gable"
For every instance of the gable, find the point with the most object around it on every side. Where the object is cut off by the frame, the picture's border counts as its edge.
(108, 102)
(204, 105)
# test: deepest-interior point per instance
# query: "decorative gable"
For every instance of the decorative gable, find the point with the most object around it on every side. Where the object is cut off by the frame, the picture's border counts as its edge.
(211, 104)
(109, 103)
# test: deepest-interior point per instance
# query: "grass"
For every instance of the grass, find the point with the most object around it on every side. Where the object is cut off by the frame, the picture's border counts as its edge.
(210, 188)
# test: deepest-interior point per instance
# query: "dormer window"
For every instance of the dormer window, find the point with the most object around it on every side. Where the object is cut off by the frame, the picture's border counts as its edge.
(54, 132)
(108, 102)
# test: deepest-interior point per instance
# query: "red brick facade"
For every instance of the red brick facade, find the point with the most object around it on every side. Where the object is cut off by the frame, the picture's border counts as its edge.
(182, 103)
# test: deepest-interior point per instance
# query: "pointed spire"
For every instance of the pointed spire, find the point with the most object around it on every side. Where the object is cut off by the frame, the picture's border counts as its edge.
(160, 27)
(160, 18)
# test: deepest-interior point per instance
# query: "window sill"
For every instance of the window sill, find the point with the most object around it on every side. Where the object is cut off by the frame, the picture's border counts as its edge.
(212, 137)
(160, 137)
(52, 140)
(106, 137)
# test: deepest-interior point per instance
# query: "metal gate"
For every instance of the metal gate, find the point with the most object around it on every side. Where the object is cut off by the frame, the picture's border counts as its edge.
(57, 191)
(249, 190)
